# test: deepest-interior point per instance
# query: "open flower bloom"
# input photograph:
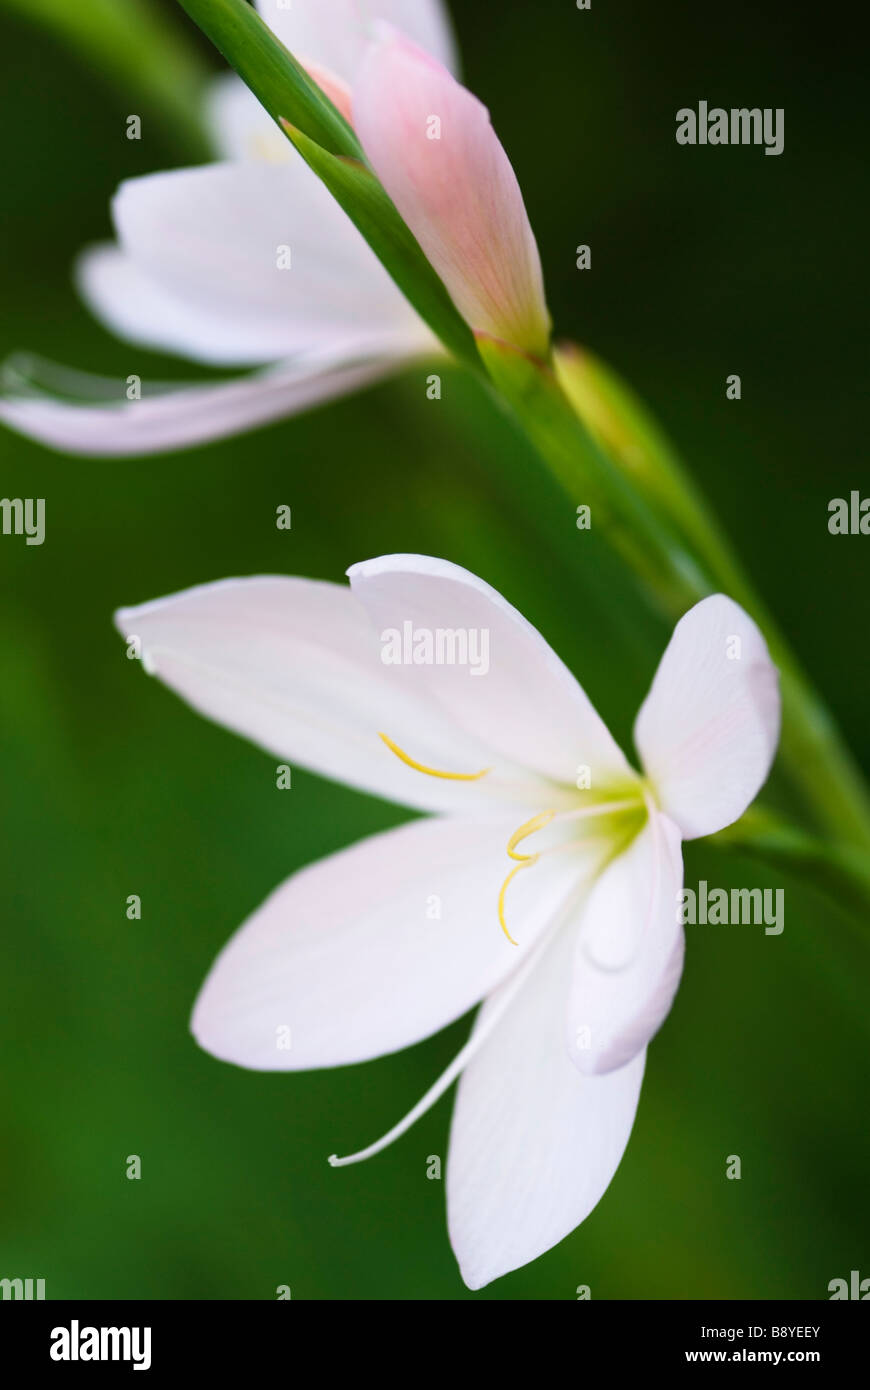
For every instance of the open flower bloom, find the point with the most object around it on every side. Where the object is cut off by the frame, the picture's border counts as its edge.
(546, 882)
(249, 262)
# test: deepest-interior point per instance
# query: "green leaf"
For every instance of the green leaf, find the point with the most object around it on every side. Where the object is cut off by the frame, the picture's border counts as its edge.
(626, 431)
(642, 537)
(363, 198)
(278, 82)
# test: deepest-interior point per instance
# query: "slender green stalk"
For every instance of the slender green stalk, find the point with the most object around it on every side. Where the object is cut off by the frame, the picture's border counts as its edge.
(645, 538)
(278, 81)
(813, 751)
(326, 142)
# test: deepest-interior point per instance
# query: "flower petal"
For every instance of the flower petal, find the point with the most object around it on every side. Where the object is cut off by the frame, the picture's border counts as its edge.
(334, 33)
(176, 416)
(243, 129)
(333, 87)
(708, 729)
(629, 953)
(293, 664)
(454, 186)
(523, 702)
(247, 263)
(534, 1144)
(371, 949)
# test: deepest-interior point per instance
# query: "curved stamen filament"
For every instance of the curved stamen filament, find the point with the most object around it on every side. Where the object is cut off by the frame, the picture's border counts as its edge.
(432, 771)
(481, 1031)
(524, 861)
(536, 823)
(540, 822)
(528, 862)
(529, 827)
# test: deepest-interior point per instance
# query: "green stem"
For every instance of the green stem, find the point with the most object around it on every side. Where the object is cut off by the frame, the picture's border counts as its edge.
(603, 444)
(644, 537)
(326, 142)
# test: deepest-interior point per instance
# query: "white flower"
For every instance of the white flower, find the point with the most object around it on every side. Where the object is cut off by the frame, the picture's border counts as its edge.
(584, 870)
(195, 271)
(251, 263)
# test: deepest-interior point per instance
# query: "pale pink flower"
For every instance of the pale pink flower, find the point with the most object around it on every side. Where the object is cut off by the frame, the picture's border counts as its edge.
(582, 872)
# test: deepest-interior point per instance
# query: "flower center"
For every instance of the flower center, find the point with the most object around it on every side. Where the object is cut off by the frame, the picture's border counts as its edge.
(540, 821)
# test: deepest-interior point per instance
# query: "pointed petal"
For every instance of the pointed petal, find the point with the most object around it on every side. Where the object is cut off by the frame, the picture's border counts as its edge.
(523, 701)
(534, 1144)
(455, 188)
(708, 729)
(334, 33)
(294, 665)
(248, 263)
(242, 129)
(349, 957)
(139, 308)
(179, 416)
(629, 953)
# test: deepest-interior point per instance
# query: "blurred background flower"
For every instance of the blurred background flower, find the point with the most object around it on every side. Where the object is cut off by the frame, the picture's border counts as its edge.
(704, 263)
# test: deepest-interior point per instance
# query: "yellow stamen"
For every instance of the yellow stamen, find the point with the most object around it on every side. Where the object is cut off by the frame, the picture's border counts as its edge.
(525, 861)
(536, 823)
(432, 771)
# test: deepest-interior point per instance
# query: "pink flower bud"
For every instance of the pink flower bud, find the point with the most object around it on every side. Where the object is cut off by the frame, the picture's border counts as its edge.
(431, 144)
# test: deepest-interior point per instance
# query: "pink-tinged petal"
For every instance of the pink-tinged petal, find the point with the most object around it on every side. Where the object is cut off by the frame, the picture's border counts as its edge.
(708, 729)
(294, 665)
(522, 701)
(371, 949)
(629, 953)
(534, 1144)
(431, 144)
(247, 263)
(333, 87)
(334, 33)
(178, 416)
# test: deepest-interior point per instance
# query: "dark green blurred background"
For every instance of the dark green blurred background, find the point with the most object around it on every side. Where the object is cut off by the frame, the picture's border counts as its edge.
(705, 262)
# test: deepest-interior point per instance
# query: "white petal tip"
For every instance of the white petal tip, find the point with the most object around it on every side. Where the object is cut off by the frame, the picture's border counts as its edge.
(477, 1276)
